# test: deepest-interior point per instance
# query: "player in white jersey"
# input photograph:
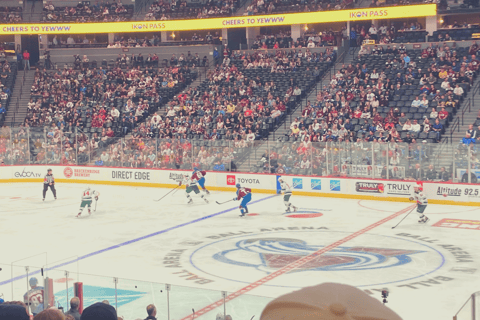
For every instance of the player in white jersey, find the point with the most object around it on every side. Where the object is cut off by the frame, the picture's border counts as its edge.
(34, 297)
(422, 202)
(87, 198)
(287, 193)
(191, 185)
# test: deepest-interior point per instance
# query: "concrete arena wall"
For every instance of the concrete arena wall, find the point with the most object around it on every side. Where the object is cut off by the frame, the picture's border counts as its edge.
(65, 55)
(349, 188)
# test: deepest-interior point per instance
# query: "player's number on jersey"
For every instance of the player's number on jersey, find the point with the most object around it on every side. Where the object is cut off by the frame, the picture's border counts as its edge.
(36, 299)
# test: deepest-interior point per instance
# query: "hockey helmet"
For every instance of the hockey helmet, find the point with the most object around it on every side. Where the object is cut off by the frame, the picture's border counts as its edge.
(49, 170)
(238, 185)
(280, 179)
(33, 281)
(195, 169)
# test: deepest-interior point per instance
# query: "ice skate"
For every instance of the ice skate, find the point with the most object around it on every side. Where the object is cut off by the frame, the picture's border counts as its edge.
(424, 219)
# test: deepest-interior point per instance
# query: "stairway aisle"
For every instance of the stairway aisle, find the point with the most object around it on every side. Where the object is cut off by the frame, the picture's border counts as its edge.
(262, 146)
(15, 117)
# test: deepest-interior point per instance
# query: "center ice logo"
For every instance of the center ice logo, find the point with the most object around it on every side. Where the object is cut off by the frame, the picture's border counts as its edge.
(271, 254)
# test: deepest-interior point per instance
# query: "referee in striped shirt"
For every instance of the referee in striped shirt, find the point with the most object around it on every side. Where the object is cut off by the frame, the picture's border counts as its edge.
(49, 181)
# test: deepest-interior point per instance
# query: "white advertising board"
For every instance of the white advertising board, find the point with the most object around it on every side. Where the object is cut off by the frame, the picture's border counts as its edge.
(343, 187)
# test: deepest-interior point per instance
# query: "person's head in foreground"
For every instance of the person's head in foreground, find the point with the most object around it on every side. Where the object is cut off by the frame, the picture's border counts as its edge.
(327, 301)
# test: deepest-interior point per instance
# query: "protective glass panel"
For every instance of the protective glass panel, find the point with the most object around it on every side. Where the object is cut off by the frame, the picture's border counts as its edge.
(19, 146)
(134, 296)
(246, 306)
(184, 299)
(82, 147)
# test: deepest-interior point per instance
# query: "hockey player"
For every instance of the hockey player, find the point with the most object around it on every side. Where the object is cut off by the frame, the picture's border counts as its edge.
(34, 297)
(87, 200)
(422, 202)
(191, 185)
(49, 181)
(287, 193)
(245, 194)
(200, 177)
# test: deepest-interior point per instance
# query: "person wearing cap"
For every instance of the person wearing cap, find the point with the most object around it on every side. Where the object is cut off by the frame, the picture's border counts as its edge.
(13, 311)
(34, 297)
(325, 302)
(99, 311)
(49, 182)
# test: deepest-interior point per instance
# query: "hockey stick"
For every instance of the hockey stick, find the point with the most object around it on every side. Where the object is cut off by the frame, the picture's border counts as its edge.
(95, 206)
(404, 217)
(223, 202)
(167, 193)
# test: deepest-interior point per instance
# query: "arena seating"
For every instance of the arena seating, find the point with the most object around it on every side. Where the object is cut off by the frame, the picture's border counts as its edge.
(290, 6)
(343, 116)
(241, 99)
(8, 74)
(107, 12)
(163, 10)
(11, 14)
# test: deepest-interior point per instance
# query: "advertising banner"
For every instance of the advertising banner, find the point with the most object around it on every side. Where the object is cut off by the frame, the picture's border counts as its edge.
(453, 191)
(438, 192)
(422, 10)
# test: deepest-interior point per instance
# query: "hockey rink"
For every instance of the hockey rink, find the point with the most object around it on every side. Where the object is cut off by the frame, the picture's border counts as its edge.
(203, 249)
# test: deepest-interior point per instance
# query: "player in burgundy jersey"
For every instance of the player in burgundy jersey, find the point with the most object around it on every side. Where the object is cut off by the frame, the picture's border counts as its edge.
(199, 175)
(244, 194)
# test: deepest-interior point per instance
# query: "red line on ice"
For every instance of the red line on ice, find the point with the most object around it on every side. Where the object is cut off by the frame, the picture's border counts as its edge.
(294, 265)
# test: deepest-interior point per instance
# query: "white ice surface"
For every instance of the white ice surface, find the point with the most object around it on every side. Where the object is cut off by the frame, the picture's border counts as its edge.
(224, 252)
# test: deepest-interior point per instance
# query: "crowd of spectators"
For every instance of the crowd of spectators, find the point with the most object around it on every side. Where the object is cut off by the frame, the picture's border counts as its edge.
(346, 158)
(10, 14)
(19, 310)
(286, 6)
(8, 73)
(224, 115)
(366, 100)
(283, 40)
(101, 103)
(181, 9)
(85, 12)
(367, 103)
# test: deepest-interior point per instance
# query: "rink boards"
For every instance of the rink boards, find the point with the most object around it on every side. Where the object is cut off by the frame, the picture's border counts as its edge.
(335, 187)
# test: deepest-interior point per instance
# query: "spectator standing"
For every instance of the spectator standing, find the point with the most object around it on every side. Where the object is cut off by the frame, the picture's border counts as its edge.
(152, 312)
(74, 303)
(26, 59)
